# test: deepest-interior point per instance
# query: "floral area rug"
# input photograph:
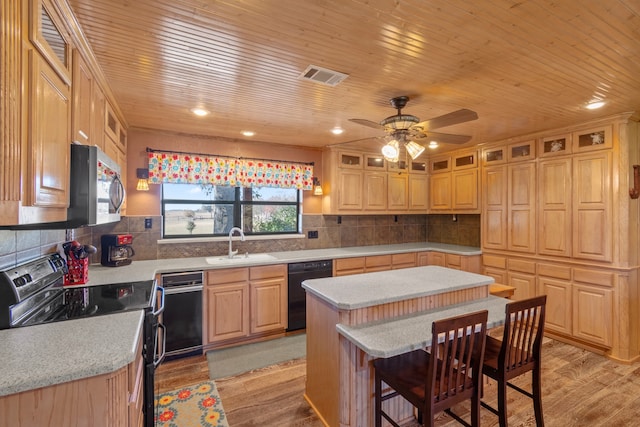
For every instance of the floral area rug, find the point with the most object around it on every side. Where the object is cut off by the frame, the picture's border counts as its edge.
(198, 405)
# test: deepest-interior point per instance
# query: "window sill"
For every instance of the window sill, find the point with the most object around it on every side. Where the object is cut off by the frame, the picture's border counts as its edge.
(226, 238)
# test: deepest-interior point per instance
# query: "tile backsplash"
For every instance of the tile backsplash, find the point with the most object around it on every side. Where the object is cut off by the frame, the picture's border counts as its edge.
(333, 232)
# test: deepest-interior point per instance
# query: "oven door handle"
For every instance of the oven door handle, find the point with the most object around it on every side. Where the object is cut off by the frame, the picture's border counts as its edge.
(183, 289)
(159, 309)
(157, 359)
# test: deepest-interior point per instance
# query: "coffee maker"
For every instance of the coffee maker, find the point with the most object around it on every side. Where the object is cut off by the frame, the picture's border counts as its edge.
(116, 249)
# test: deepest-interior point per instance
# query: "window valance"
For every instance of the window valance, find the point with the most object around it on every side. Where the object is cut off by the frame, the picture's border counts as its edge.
(194, 168)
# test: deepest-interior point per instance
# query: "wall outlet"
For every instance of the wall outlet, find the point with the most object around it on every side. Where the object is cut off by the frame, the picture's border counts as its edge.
(148, 223)
(313, 234)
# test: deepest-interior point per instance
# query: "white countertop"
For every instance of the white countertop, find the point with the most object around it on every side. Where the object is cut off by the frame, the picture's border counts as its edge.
(43, 355)
(369, 289)
(390, 337)
(144, 270)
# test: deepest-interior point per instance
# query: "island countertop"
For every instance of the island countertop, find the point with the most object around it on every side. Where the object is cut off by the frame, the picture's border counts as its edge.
(371, 289)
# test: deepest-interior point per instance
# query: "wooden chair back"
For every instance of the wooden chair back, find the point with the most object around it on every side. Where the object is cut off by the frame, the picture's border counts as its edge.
(457, 350)
(522, 337)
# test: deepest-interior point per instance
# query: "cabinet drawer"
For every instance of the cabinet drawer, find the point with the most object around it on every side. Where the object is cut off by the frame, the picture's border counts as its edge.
(494, 261)
(227, 275)
(522, 266)
(557, 271)
(454, 260)
(400, 259)
(267, 271)
(378, 261)
(593, 277)
(349, 263)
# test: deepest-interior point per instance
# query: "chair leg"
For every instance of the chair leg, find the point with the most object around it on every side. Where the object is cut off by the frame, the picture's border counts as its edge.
(502, 401)
(378, 401)
(475, 409)
(537, 397)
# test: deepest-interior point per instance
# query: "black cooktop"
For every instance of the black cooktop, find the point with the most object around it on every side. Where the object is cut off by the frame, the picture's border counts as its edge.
(88, 301)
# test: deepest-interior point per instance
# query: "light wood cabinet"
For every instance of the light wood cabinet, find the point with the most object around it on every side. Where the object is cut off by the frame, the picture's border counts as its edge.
(521, 219)
(397, 191)
(350, 190)
(454, 182)
(418, 192)
(494, 207)
(227, 313)
(83, 84)
(592, 318)
(268, 298)
(246, 302)
(592, 221)
(48, 133)
(554, 207)
(375, 198)
(558, 315)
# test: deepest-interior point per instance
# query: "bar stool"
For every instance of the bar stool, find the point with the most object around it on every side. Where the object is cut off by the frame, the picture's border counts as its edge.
(518, 352)
(436, 380)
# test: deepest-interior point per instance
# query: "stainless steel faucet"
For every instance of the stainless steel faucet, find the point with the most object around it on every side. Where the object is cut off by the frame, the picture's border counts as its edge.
(239, 230)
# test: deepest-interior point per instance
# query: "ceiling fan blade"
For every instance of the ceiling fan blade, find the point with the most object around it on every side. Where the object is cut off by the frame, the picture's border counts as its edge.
(365, 122)
(450, 119)
(447, 138)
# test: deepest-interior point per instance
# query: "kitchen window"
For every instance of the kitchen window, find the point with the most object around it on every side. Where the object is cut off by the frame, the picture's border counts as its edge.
(205, 210)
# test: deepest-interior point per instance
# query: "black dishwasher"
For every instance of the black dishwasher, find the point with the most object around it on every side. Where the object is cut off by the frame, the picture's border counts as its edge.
(298, 273)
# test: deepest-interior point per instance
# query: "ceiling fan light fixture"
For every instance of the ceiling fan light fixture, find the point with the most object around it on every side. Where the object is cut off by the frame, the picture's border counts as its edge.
(399, 122)
(414, 149)
(391, 151)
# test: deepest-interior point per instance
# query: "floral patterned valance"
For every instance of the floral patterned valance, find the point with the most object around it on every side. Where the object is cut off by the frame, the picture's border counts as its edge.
(185, 168)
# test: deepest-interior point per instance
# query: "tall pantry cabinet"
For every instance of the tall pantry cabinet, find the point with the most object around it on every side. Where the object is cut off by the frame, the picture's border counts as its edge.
(557, 219)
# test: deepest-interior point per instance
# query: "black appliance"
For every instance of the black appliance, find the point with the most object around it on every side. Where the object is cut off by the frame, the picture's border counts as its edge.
(297, 297)
(116, 249)
(33, 294)
(183, 313)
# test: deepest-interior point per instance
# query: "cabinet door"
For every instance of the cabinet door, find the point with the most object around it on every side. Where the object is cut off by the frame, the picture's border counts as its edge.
(592, 227)
(397, 191)
(97, 118)
(49, 136)
(440, 191)
(437, 258)
(375, 196)
(465, 190)
(500, 276)
(227, 311)
(82, 101)
(592, 314)
(554, 198)
(494, 208)
(418, 192)
(422, 259)
(521, 210)
(268, 305)
(350, 189)
(558, 309)
(525, 285)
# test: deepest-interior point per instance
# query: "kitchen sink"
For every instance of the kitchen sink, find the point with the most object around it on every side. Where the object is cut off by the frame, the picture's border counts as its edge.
(237, 259)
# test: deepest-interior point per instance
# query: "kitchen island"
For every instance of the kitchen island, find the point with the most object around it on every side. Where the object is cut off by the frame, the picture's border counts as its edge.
(354, 319)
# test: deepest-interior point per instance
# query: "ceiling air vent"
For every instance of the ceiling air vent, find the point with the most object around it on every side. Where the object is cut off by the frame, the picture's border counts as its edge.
(322, 75)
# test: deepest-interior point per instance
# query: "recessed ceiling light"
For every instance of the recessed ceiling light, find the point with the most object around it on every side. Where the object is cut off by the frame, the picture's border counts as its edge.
(433, 144)
(248, 133)
(595, 105)
(199, 111)
(337, 130)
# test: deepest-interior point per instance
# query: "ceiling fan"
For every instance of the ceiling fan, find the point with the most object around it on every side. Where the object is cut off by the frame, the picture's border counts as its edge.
(406, 128)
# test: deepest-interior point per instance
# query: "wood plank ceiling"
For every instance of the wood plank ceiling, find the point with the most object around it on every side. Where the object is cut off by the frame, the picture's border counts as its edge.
(523, 66)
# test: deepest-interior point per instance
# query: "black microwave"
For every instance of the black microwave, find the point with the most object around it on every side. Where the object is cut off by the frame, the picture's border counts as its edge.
(96, 189)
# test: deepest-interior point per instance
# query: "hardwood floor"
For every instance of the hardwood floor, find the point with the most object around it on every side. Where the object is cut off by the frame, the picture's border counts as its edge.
(579, 389)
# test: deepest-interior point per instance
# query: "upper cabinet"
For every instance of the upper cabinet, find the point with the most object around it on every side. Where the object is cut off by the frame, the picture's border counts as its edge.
(357, 183)
(54, 96)
(454, 182)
